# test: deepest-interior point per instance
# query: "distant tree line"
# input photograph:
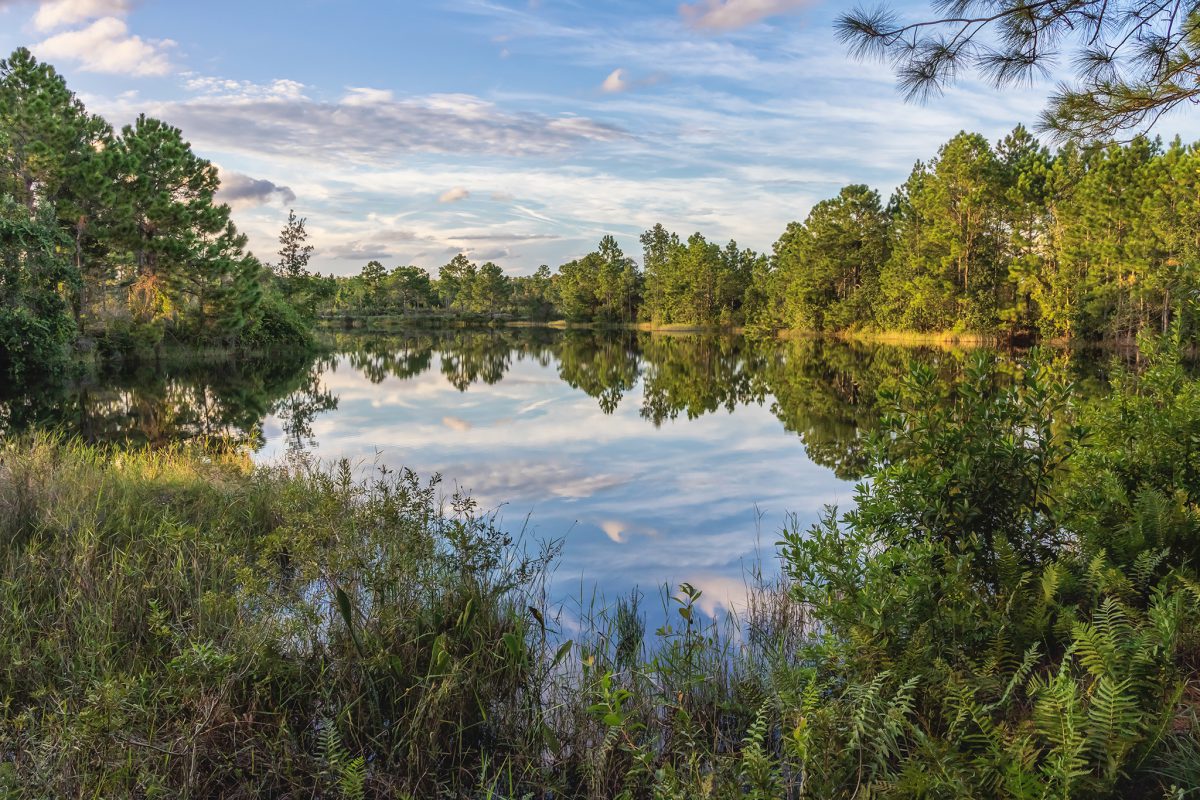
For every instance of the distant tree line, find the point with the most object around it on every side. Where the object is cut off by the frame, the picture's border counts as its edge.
(116, 235)
(1089, 242)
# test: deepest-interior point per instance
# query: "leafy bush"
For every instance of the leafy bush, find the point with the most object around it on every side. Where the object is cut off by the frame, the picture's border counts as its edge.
(276, 322)
(973, 635)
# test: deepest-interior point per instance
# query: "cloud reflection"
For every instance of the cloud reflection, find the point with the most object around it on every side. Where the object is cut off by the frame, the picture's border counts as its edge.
(739, 437)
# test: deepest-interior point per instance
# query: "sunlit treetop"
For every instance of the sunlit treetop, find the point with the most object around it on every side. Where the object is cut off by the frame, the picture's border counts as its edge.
(1132, 60)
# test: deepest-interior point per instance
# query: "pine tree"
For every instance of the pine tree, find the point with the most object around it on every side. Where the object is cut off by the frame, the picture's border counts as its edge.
(55, 153)
(658, 247)
(455, 278)
(945, 268)
(1026, 169)
(829, 266)
(294, 249)
(35, 327)
(163, 209)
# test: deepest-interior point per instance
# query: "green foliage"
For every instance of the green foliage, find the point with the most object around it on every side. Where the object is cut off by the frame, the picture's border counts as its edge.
(1093, 244)
(36, 329)
(694, 282)
(945, 269)
(602, 286)
(147, 253)
(971, 599)
(276, 322)
(237, 631)
(828, 268)
(294, 249)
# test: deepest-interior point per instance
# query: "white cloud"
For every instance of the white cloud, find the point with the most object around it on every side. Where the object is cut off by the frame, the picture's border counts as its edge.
(616, 82)
(107, 46)
(725, 15)
(613, 530)
(211, 88)
(454, 195)
(364, 127)
(357, 96)
(59, 13)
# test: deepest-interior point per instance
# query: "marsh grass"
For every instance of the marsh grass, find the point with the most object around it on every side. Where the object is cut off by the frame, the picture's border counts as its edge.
(179, 622)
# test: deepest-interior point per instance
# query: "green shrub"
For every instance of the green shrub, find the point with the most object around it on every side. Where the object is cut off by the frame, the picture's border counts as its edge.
(277, 323)
(36, 329)
(973, 637)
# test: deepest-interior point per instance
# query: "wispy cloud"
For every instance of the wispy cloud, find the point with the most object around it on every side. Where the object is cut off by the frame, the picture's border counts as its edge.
(725, 15)
(368, 126)
(227, 90)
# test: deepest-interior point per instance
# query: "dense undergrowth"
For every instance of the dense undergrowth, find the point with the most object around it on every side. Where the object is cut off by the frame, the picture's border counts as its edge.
(1011, 610)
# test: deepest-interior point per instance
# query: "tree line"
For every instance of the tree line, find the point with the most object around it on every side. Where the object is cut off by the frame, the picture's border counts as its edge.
(1091, 242)
(116, 237)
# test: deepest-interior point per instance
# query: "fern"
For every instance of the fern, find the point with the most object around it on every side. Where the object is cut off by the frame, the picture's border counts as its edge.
(348, 774)
(758, 770)
(1057, 717)
(1146, 566)
(1114, 724)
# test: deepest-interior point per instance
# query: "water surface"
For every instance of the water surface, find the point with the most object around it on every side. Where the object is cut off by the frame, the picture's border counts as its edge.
(655, 458)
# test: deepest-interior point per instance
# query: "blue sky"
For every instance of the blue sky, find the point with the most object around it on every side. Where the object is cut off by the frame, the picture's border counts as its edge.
(518, 131)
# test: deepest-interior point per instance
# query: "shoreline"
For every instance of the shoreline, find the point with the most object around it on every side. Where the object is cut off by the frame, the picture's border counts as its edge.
(385, 323)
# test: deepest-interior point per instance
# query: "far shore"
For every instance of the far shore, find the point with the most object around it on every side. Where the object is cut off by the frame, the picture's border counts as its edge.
(380, 323)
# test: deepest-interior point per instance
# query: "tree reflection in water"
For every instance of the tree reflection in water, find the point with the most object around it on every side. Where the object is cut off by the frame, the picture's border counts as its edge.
(175, 401)
(824, 391)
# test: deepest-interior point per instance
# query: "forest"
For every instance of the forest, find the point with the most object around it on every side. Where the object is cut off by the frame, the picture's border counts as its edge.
(1088, 243)
(114, 240)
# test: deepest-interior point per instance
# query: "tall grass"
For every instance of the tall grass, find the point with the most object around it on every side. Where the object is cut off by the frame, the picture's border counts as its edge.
(182, 623)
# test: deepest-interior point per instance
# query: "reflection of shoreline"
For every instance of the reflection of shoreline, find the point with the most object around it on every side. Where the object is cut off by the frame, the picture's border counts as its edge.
(648, 453)
(174, 401)
(531, 444)
(823, 390)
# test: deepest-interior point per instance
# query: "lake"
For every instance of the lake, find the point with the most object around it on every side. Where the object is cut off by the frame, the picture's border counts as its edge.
(655, 458)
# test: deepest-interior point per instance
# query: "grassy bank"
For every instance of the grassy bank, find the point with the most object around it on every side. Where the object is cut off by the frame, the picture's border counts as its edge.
(1012, 610)
(181, 623)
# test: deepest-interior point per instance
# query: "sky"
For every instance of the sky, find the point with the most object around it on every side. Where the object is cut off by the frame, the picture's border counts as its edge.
(515, 131)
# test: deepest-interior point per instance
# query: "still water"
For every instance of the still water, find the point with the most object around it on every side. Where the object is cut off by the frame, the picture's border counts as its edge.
(654, 458)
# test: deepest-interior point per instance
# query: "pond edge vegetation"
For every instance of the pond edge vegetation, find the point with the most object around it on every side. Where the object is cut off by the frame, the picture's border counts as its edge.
(1010, 610)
